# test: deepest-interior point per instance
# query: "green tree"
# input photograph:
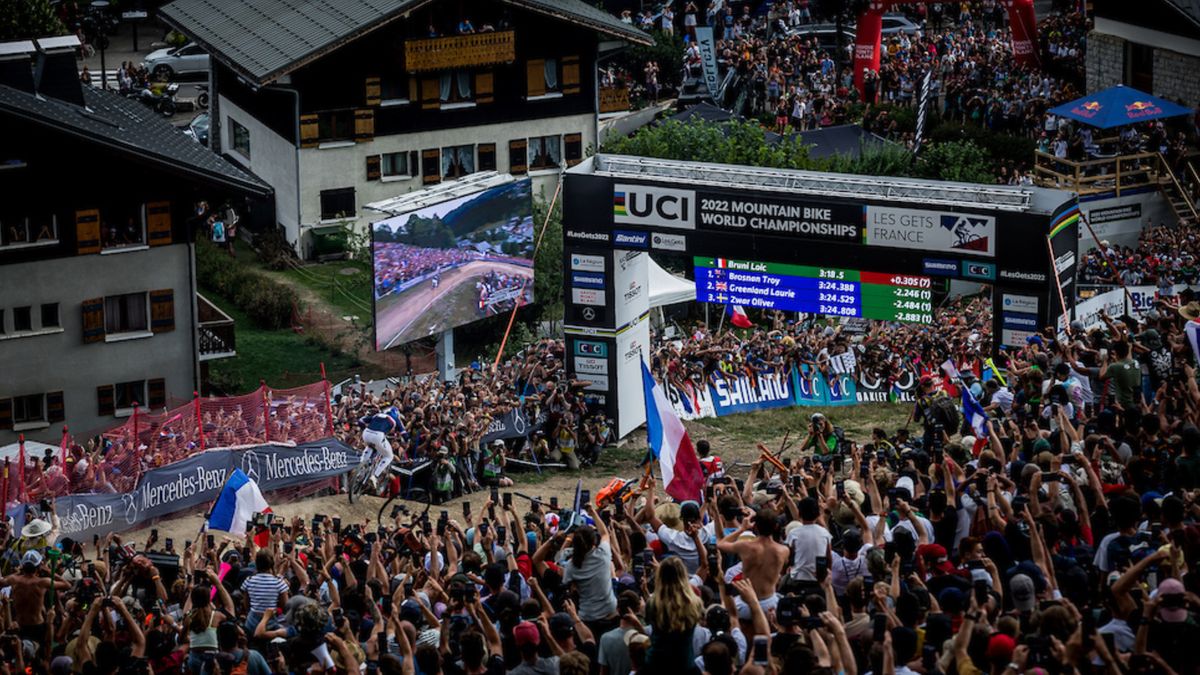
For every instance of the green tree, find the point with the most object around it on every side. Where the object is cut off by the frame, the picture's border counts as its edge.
(24, 19)
(958, 161)
(548, 262)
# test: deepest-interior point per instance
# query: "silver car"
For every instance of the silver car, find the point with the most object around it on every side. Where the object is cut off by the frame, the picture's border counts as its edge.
(171, 62)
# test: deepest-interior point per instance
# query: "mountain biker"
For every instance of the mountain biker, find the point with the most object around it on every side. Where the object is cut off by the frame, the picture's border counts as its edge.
(375, 431)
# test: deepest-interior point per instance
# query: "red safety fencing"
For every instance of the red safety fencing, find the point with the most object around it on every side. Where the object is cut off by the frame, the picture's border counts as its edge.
(150, 439)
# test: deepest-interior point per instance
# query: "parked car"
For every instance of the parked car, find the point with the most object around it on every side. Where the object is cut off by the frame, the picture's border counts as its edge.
(826, 36)
(895, 24)
(169, 63)
(197, 129)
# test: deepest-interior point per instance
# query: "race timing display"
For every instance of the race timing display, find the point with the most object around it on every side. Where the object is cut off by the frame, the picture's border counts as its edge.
(815, 290)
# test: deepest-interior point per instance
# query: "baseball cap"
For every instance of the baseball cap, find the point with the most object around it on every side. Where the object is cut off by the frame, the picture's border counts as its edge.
(936, 558)
(526, 633)
(1171, 614)
(1000, 647)
(561, 626)
(1024, 597)
(689, 511)
(32, 558)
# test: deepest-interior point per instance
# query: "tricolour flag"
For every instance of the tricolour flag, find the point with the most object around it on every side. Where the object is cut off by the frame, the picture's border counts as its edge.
(669, 443)
(239, 500)
(1192, 329)
(737, 316)
(974, 414)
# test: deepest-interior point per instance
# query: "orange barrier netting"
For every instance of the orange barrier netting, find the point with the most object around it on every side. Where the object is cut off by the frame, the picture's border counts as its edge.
(151, 439)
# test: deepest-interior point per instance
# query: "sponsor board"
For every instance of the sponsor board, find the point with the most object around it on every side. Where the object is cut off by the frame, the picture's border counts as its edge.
(1019, 303)
(1012, 337)
(627, 239)
(743, 394)
(586, 280)
(584, 235)
(590, 348)
(588, 296)
(945, 232)
(1019, 320)
(668, 242)
(1115, 213)
(1111, 303)
(595, 382)
(1022, 275)
(591, 365)
(654, 205)
(1064, 263)
(940, 268)
(973, 269)
(587, 263)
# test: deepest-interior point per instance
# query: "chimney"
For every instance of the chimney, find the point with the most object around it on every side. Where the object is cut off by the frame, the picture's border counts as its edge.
(57, 75)
(16, 70)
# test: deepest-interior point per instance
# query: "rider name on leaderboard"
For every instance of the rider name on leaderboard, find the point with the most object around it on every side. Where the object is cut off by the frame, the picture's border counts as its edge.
(815, 290)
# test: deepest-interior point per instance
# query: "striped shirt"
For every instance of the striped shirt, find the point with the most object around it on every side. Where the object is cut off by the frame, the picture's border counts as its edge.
(263, 590)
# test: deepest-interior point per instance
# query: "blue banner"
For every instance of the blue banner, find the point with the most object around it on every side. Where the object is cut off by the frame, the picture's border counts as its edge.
(742, 393)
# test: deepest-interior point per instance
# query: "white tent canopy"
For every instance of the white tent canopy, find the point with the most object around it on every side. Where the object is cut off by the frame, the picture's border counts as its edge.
(668, 289)
(32, 449)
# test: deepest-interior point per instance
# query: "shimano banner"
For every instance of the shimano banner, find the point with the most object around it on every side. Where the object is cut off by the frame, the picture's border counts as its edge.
(806, 386)
(197, 480)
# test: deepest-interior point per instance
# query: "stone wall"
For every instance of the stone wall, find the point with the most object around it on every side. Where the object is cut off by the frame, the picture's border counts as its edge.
(1177, 76)
(1105, 61)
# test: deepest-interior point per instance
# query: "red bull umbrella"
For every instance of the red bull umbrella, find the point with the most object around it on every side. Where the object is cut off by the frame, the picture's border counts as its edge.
(1118, 106)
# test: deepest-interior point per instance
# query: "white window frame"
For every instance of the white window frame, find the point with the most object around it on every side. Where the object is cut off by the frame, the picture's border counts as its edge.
(233, 135)
(386, 177)
(128, 248)
(32, 423)
(31, 244)
(127, 412)
(132, 334)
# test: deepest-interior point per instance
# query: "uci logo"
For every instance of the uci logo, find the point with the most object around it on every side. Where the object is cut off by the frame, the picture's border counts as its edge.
(654, 205)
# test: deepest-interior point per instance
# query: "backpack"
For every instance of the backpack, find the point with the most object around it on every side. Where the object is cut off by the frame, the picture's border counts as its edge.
(944, 410)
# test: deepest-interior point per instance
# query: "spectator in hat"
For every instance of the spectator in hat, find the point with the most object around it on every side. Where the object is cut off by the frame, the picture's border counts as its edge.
(688, 541)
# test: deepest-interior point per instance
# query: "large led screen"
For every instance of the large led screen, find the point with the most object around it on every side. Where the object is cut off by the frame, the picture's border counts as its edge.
(452, 263)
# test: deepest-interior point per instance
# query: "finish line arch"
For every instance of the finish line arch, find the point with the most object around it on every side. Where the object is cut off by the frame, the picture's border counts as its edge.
(869, 30)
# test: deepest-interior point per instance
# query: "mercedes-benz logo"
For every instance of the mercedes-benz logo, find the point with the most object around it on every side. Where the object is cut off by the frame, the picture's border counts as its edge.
(589, 313)
(131, 515)
(519, 422)
(250, 465)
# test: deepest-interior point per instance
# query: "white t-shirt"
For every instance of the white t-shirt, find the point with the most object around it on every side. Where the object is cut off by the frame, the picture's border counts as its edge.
(681, 544)
(808, 542)
(843, 570)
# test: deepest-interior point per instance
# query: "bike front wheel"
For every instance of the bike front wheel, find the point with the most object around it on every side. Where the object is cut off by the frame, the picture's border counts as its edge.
(358, 480)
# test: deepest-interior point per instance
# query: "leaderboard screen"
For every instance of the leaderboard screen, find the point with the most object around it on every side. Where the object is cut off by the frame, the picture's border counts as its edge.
(815, 290)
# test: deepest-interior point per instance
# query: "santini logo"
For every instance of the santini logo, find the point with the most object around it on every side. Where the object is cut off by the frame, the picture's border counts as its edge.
(636, 239)
(653, 205)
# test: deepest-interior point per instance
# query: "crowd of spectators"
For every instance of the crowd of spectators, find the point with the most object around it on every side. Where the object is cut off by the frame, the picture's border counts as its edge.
(398, 264)
(1063, 541)
(499, 292)
(1166, 255)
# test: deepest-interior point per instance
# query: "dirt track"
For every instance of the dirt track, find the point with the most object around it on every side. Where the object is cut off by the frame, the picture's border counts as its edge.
(396, 320)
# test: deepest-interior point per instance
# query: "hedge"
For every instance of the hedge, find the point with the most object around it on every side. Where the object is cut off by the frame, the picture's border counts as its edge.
(268, 303)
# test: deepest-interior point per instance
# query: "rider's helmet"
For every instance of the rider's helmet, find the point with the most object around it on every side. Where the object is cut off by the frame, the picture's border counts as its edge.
(394, 413)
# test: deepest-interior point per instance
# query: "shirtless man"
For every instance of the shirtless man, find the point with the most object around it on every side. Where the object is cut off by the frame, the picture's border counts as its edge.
(763, 558)
(28, 596)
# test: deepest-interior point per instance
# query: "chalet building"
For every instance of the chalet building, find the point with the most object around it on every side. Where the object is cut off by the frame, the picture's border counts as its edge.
(338, 104)
(98, 303)
(1153, 46)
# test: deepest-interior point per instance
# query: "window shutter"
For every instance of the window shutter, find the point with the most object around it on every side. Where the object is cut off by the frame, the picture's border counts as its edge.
(55, 412)
(535, 77)
(483, 87)
(162, 310)
(487, 156)
(412, 89)
(431, 93)
(158, 223)
(518, 160)
(310, 131)
(364, 125)
(93, 320)
(373, 170)
(413, 166)
(570, 75)
(106, 405)
(573, 148)
(156, 394)
(6, 421)
(87, 231)
(431, 166)
(374, 95)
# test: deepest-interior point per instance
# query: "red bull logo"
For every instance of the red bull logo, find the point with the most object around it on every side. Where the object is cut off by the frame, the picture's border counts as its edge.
(1139, 109)
(1087, 110)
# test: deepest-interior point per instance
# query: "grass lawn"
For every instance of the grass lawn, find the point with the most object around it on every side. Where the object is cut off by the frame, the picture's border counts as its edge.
(769, 424)
(334, 283)
(280, 357)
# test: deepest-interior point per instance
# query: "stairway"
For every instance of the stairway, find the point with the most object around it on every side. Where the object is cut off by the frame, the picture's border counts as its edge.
(1180, 191)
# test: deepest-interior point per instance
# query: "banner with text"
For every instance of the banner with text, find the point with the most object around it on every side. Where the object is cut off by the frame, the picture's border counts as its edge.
(805, 386)
(198, 480)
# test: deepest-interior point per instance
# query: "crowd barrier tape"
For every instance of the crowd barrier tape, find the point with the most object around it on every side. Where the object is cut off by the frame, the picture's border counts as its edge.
(197, 481)
(803, 386)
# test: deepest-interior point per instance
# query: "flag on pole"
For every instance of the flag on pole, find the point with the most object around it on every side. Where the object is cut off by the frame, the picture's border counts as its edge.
(950, 369)
(974, 414)
(737, 316)
(669, 443)
(239, 500)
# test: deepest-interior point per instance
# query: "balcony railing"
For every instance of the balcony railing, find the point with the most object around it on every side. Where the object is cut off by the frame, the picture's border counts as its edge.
(217, 337)
(614, 99)
(460, 51)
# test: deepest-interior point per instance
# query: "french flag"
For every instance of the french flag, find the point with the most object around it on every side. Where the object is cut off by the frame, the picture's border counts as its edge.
(239, 500)
(1192, 329)
(737, 316)
(669, 443)
(974, 413)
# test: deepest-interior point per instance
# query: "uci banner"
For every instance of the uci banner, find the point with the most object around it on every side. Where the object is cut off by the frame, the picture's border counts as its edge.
(198, 480)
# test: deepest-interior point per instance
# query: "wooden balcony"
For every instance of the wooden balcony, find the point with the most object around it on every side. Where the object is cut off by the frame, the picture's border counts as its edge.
(460, 51)
(217, 339)
(614, 99)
